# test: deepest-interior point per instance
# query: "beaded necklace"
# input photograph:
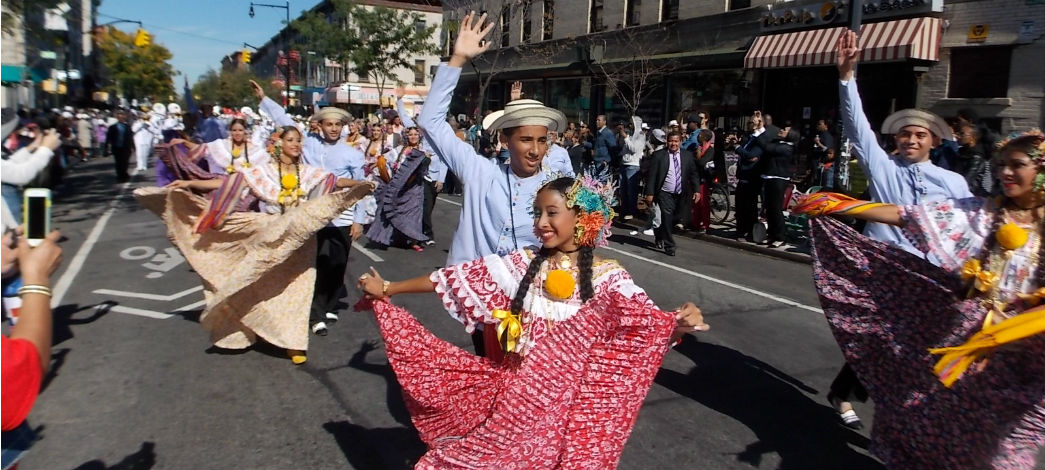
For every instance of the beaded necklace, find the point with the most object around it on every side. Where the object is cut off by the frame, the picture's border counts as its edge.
(291, 184)
(235, 154)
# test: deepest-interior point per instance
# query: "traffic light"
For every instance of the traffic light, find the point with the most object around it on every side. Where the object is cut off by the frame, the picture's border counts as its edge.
(142, 38)
(244, 56)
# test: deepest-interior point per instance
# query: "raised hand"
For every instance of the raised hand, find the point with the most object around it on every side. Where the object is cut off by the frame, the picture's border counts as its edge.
(258, 91)
(848, 54)
(516, 91)
(470, 42)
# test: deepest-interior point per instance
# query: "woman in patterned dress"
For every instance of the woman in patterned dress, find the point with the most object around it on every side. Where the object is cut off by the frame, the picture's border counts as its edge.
(981, 405)
(257, 267)
(400, 199)
(578, 361)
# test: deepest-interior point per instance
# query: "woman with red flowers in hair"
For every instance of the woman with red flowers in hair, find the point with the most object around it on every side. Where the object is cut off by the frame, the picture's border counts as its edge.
(581, 344)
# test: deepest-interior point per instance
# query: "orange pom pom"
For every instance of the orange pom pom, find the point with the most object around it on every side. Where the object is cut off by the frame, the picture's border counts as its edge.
(560, 284)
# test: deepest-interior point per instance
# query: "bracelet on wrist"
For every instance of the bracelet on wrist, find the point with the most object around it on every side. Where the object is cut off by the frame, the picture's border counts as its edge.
(34, 289)
(384, 288)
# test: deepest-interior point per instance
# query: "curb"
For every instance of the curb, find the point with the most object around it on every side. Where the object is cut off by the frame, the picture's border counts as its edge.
(636, 224)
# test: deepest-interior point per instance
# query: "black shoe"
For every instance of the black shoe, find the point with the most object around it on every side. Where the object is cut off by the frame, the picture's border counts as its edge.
(660, 245)
(670, 252)
(849, 418)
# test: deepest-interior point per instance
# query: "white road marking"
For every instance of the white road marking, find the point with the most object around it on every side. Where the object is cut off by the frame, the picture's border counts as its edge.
(141, 312)
(192, 306)
(458, 204)
(62, 286)
(749, 290)
(368, 253)
(146, 296)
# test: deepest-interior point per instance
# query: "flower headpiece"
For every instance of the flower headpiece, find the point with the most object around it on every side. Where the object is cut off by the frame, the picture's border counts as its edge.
(274, 146)
(594, 199)
(1034, 137)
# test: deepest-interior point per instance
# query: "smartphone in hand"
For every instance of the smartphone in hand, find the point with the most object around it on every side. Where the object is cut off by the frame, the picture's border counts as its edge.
(36, 214)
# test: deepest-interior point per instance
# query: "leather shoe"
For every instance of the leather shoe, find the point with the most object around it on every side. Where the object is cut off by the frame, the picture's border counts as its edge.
(670, 251)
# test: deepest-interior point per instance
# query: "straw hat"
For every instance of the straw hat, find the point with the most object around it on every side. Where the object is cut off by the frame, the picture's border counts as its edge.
(525, 113)
(331, 112)
(917, 117)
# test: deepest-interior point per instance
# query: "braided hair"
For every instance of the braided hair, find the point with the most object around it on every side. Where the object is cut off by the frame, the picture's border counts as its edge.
(585, 257)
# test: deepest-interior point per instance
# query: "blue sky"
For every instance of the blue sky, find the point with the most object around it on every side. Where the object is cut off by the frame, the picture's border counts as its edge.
(199, 32)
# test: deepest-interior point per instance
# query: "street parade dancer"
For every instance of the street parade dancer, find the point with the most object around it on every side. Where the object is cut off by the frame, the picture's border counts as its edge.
(497, 209)
(257, 267)
(325, 149)
(238, 152)
(400, 200)
(905, 177)
(582, 344)
(952, 355)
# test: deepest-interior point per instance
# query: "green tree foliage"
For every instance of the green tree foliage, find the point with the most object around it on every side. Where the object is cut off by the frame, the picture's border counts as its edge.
(325, 34)
(135, 72)
(230, 88)
(392, 38)
(374, 41)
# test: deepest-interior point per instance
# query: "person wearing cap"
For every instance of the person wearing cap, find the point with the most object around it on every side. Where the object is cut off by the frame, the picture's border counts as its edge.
(907, 178)
(145, 134)
(326, 150)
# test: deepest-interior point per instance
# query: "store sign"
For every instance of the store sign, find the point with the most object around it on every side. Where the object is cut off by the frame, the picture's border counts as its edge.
(835, 12)
(978, 33)
(48, 55)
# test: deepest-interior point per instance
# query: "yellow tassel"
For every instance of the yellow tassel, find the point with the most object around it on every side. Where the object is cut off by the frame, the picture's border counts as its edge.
(957, 359)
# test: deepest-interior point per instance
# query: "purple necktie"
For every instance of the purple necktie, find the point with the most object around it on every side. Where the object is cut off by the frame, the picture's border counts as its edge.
(677, 171)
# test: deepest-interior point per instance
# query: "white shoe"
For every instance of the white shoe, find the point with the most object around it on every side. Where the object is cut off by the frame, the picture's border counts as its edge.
(648, 232)
(331, 316)
(628, 217)
(320, 328)
(633, 232)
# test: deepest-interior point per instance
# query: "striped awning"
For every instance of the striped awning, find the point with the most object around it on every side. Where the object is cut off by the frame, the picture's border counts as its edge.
(912, 38)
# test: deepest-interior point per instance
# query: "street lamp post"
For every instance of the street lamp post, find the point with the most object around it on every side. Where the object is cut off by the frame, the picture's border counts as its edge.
(287, 8)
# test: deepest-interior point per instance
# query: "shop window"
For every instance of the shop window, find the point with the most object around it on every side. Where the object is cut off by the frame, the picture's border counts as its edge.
(527, 23)
(738, 4)
(979, 72)
(548, 20)
(419, 72)
(597, 16)
(420, 26)
(669, 10)
(633, 10)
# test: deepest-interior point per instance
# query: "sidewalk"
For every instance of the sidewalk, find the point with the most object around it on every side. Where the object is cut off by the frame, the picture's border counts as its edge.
(798, 251)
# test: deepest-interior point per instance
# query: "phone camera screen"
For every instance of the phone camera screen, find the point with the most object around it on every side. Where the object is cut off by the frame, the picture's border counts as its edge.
(37, 223)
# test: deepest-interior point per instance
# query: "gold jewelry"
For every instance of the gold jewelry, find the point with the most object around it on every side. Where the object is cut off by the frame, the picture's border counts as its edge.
(34, 289)
(384, 288)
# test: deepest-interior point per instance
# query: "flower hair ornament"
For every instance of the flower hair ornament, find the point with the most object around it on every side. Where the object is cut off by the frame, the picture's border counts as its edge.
(594, 200)
(1035, 140)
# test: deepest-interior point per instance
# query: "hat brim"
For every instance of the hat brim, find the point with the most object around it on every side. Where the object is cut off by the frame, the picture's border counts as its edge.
(550, 118)
(916, 117)
(332, 113)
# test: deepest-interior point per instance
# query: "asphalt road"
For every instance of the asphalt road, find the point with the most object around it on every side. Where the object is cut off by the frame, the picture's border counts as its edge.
(136, 383)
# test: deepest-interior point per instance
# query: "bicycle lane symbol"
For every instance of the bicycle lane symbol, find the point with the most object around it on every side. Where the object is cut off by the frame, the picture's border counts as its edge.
(159, 263)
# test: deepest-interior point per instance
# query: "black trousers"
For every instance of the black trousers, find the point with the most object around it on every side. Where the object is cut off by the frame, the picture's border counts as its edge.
(669, 204)
(122, 157)
(451, 186)
(426, 215)
(747, 204)
(773, 202)
(847, 386)
(333, 245)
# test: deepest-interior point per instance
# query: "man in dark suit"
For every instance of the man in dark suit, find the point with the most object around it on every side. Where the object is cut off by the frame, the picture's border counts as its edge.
(119, 141)
(673, 179)
(605, 145)
(749, 177)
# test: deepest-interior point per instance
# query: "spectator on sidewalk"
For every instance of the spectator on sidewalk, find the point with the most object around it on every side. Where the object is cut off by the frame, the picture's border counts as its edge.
(27, 352)
(634, 147)
(558, 159)
(749, 176)
(776, 176)
(823, 141)
(575, 150)
(704, 152)
(972, 162)
(120, 142)
(673, 179)
(605, 146)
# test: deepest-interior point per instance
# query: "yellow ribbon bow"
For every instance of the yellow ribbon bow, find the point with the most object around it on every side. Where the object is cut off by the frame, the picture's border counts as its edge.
(983, 281)
(957, 359)
(509, 330)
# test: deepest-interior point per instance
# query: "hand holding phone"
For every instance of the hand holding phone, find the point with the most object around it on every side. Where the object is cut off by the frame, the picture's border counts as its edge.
(36, 213)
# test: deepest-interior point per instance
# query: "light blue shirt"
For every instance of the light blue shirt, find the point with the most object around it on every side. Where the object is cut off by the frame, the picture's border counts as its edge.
(497, 214)
(337, 157)
(558, 161)
(892, 179)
